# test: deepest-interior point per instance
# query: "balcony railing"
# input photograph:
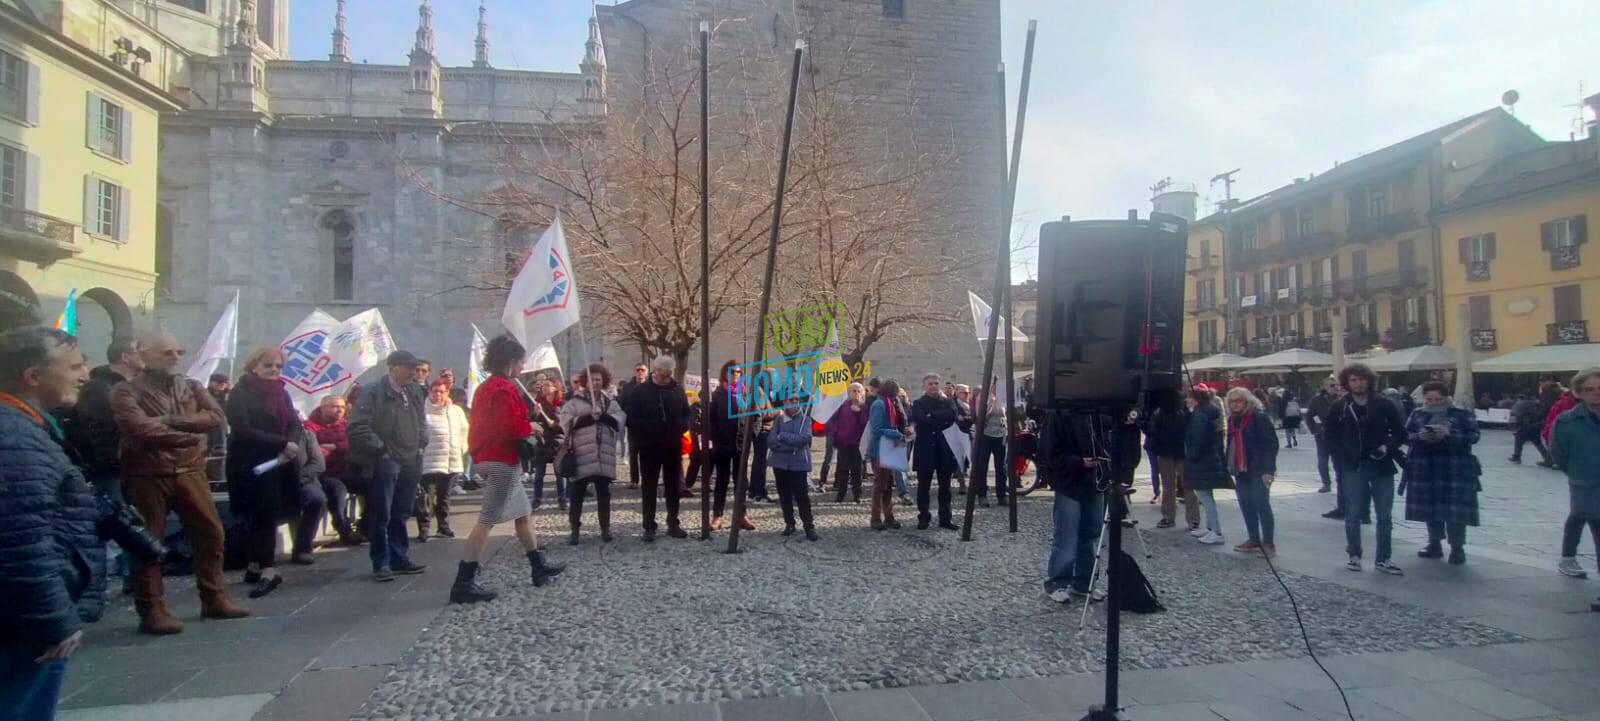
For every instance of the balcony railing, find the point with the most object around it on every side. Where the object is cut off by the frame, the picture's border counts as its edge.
(1365, 286)
(1564, 257)
(35, 236)
(1362, 230)
(1569, 332)
(1201, 264)
(1410, 336)
(1484, 339)
(1201, 304)
(1478, 270)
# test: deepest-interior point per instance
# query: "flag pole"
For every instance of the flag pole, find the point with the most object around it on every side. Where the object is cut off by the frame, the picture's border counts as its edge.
(746, 424)
(1012, 421)
(704, 445)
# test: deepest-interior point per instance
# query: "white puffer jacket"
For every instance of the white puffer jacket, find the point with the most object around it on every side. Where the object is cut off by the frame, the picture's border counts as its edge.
(447, 439)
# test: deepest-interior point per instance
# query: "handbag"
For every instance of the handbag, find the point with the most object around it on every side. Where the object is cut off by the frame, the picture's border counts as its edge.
(893, 455)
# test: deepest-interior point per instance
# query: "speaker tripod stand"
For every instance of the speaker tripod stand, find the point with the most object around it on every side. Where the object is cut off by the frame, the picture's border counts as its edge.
(1100, 543)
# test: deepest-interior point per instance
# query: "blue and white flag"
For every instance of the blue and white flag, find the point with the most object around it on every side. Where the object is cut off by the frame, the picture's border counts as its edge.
(544, 297)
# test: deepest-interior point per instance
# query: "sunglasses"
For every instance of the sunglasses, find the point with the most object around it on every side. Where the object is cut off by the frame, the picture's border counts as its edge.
(271, 365)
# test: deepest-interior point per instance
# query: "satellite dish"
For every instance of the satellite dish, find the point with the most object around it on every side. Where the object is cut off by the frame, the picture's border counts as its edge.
(1509, 98)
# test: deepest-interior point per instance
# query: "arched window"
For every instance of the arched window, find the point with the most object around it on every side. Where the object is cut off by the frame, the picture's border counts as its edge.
(164, 283)
(342, 242)
(514, 235)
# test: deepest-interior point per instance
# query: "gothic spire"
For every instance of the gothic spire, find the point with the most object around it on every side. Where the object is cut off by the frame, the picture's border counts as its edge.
(594, 51)
(341, 41)
(424, 29)
(481, 57)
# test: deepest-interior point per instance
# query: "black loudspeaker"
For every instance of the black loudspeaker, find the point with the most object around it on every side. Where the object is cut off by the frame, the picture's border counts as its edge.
(1110, 311)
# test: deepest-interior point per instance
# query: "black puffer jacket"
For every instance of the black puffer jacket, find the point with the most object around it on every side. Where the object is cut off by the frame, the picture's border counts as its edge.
(1203, 467)
(1165, 436)
(52, 562)
(1065, 439)
(95, 433)
(658, 415)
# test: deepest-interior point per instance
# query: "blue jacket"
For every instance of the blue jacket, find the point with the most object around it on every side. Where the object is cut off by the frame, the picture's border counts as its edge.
(1575, 445)
(52, 563)
(878, 428)
(789, 443)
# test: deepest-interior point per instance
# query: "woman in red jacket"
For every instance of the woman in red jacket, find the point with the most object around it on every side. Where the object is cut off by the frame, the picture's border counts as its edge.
(499, 423)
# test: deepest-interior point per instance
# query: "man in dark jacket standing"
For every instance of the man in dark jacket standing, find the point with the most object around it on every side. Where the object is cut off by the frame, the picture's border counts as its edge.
(1366, 432)
(931, 415)
(51, 558)
(387, 433)
(1528, 425)
(1316, 415)
(1166, 443)
(97, 436)
(658, 416)
(164, 419)
(1068, 463)
(641, 372)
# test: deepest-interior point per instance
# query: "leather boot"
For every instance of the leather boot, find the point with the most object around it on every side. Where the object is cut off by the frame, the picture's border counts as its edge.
(222, 608)
(466, 588)
(542, 571)
(157, 621)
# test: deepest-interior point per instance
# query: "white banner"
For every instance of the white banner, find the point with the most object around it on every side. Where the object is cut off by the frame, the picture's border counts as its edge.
(830, 362)
(220, 345)
(980, 321)
(309, 368)
(543, 358)
(693, 382)
(363, 341)
(544, 297)
(475, 372)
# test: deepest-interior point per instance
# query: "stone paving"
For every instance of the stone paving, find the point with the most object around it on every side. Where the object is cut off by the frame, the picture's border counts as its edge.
(907, 624)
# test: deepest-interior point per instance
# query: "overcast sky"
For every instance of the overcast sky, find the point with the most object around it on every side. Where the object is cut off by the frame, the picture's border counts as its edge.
(1130, 92)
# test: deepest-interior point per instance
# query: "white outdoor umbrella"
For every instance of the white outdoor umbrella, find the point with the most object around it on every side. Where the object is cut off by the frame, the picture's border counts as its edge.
(1218, 362)
(1293, 359)
(1420, 358)
(1543, 359)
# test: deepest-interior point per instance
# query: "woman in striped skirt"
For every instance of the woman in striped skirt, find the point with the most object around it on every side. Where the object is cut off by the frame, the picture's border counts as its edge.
(499, 422)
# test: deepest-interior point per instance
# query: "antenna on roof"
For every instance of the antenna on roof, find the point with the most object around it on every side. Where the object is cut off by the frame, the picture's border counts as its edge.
(1509, 99)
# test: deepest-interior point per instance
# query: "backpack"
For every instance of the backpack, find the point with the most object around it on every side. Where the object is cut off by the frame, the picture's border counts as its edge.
(1138, 595)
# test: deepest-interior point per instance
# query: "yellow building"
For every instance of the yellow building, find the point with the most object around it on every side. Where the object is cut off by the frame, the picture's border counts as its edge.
(1517, 259)
(77, 179)
(1359, 240)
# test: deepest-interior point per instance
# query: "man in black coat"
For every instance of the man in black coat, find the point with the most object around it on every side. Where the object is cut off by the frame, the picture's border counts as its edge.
(97, 436)
(1316, 422)
(640, 373)
(51, 558)
(1068, 461)
(1366, 431)
(1528, 425)
(930, 416)
(658, 416)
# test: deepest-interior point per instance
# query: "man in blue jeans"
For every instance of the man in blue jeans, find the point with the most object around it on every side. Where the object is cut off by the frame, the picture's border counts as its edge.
(1365, 431)
(387, 432)
(1070, 465)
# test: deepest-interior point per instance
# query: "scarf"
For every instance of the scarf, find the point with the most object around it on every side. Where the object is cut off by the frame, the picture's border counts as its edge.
(892, 410)
(1236, 459)
(273, 400)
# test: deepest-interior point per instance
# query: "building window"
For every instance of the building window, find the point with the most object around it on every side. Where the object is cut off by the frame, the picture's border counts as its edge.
(894, 8)
(1561, 239)
(105, 211)
(1235, 287)
(1304, 221)
(1377, 201)
(342, 245)
(1478, 313)
(1321, 321)
(14, 90)
(198, 6)
(1568, 303)
(108, 128)
(1251, 241)
(13, 166)
(1208, 336)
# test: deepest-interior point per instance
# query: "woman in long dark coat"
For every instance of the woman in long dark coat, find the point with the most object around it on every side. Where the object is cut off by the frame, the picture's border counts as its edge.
(1441, 477)
(262, 426)
(1203, 470)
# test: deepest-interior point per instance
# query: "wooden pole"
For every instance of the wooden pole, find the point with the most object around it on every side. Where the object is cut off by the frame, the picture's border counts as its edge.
(704, 446)
(748, 422)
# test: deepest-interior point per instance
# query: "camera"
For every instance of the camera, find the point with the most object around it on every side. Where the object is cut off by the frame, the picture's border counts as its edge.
(121, 523)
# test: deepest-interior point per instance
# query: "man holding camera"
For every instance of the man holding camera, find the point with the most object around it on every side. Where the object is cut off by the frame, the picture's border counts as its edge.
(1365, 431)
(51, 558)
(165, 420)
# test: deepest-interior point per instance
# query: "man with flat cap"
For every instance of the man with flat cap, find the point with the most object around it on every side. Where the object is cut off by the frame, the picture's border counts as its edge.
(387, 433)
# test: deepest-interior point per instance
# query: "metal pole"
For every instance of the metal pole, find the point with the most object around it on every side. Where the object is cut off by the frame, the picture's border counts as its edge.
(746, 424)
(705, 283)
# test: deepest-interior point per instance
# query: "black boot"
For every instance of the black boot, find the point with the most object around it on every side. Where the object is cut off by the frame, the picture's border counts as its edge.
(542, 571)
(422, 531)
(466, 588)
(1432, 550)
(605, 534)
(445, 530)
(572, 540)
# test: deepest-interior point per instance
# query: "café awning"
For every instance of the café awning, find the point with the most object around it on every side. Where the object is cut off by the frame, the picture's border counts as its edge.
(1543, 359)
(1420, 358)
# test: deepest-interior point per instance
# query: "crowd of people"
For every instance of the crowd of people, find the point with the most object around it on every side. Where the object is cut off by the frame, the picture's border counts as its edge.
(79, 447)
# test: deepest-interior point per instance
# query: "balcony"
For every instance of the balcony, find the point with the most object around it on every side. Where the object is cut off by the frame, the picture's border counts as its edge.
(1477, 271)
(1410, 336)
(1484, 339)
(1286, 297)
(1252, 303)
(1202, 304)
(1568, 332)
(1201, 264)
(1363, 230)
(1564, 257)
(1367, 286)
(36, 237)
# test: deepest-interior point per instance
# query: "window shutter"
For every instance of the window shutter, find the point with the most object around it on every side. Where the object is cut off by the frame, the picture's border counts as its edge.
(1580, 229)
(126, 151)
(1488, 247)
(1546, 230)
(1464, 248)
(91, 120)
(124, 214)
(30, 173)
(32, 111)
(90, 195)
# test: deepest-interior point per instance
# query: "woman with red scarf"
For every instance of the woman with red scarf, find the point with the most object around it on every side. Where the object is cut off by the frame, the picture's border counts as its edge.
(1252, 457)
(262, 426)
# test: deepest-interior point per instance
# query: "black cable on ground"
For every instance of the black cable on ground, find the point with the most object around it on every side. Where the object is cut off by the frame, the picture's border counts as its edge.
(1306, 637)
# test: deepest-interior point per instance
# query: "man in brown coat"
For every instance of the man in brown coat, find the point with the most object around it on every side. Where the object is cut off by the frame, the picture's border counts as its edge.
(165, 418)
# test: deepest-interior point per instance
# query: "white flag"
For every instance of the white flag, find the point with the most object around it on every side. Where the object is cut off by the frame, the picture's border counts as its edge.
(543, 358)
(829, 360)
(363, 341)
(475, 372)
(310, 370)
(221, 344)
(980, 321)
(544, 297)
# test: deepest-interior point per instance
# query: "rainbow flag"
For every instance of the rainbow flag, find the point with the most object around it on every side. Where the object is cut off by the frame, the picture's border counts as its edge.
(68, 320)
